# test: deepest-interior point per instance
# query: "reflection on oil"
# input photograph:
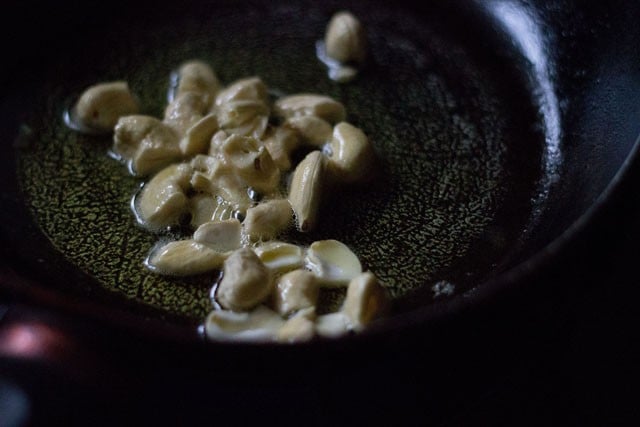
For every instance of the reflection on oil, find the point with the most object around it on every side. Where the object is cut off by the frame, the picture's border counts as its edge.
(527, 32)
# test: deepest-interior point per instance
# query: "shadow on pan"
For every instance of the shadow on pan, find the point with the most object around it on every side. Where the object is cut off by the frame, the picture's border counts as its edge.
(501, 126)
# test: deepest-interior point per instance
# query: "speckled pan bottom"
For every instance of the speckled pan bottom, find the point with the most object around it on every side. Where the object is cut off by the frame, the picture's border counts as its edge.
(446, 201)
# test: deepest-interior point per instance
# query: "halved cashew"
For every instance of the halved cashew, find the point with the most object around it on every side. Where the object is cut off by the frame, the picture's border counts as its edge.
(197, 76)
(255, 127)
(252, 162)
(197, 138)
(239, 116)
(332, 325)
(268, 219)
(250, 88)
(205, 208)
(261, 324)
(345, 39)
(100, 106)
(235, 195)
(202, 207)
(242, 108)
(146, 142)
(313, 130)
(280, 142)
(305, 193)
(365, 301)
(300, 327)
(217, 140)
(333, 262)
(222, 236)
(206, 170)
(246, 281)
(162, 201)
(308, 104)
(296, 290)
(352, 156)
(129, 131)
(213, 176)
(280, 256)
(185, 111)
(184, 258)
(158, 149)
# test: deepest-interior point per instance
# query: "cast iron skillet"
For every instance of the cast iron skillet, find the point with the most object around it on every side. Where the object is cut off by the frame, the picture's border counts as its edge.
(502, 126)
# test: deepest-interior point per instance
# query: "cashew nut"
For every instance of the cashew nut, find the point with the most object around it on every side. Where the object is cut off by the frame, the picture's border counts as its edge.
(244, 117)
(345, 39)
(268, 219)
(305, 192)
(100, 106)
(146, 142)
(213, 176)
(242, 108)
(221, 236)
(246, 281)
(199, 77)
(313, 130)
(295, 291)
(307, 104)
(352, 156)
(279, 256)
(185, 257)
(185, 111)
(281, 142)
(247, 89)
(252, 162)
(366, 300)
(197, 138)
(217, 140)
(162, 201)
(332, 325)
(261, 324)
(299, 328)
(205, 208)
(202, 207)
(333, 262)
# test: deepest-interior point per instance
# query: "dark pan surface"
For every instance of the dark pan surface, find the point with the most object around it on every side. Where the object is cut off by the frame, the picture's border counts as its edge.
(464, 115)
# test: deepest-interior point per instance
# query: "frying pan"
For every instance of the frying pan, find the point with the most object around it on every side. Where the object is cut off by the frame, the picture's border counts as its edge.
(502, 127)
